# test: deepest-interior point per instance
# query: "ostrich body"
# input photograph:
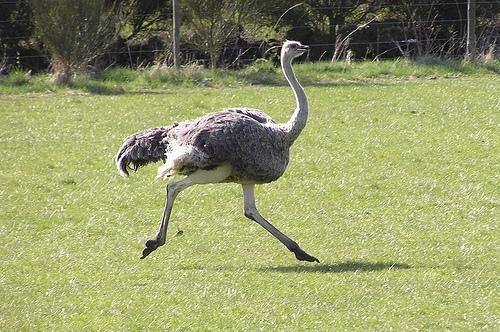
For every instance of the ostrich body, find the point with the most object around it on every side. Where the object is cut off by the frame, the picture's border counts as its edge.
(239, 145)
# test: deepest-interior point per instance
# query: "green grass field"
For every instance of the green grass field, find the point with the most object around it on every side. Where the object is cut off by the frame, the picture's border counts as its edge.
(393, 185)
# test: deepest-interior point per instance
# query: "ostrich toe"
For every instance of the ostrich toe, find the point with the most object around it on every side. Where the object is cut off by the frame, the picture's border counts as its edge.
(301, 255)
(151, 245)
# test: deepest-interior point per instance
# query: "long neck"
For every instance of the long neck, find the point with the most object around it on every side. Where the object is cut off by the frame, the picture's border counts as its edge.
(299, 118)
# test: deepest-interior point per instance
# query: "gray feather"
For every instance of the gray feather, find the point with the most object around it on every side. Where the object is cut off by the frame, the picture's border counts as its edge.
(143, 148)
(249, 140)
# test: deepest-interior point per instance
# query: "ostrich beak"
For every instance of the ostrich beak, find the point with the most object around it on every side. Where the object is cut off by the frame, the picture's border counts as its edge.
(303, 48)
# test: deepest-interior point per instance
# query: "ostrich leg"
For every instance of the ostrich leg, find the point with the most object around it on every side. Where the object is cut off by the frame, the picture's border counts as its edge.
(252, 213)
(173, 189)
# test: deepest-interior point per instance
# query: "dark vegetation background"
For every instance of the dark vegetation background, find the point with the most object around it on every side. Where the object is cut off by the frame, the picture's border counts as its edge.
(233, 33)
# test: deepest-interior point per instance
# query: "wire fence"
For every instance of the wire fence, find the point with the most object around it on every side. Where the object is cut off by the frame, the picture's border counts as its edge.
(378, 39)
(312, 45)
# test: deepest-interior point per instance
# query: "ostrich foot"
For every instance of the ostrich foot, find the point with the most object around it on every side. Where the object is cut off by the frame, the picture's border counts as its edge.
(151, 245)
(301, 255)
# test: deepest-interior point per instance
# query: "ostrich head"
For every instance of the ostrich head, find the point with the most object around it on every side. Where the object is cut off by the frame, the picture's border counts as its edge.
(292, 49)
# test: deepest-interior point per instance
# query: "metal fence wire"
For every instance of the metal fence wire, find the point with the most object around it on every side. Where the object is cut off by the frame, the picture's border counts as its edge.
(373, 40)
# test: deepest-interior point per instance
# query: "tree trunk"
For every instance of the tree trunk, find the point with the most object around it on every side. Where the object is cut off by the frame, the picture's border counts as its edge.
(62, 72)
(214, 55)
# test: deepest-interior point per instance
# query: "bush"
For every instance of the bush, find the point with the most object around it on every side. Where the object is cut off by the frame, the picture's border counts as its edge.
(74, 32)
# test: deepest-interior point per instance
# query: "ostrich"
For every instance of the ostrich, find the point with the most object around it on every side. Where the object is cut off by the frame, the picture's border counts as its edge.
(240, 145)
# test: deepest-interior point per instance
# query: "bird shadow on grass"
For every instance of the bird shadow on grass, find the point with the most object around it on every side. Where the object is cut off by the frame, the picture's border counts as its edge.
(351, 266)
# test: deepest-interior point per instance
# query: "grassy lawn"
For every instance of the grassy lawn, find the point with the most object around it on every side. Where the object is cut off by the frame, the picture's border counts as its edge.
(393, 185)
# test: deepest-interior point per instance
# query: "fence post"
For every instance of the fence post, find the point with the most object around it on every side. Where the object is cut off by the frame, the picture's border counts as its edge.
(176, 45)
(471, 30)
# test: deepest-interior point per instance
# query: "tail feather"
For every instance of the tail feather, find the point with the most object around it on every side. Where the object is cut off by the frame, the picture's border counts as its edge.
(142, 148)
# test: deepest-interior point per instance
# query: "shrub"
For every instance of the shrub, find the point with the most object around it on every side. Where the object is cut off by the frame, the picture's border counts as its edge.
(74, 32)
